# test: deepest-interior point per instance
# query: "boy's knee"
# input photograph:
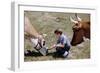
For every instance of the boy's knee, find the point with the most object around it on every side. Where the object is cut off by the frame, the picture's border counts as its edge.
(67, 48)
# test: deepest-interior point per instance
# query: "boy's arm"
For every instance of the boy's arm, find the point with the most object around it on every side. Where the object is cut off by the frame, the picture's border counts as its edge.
(57, 45)
(60, 45)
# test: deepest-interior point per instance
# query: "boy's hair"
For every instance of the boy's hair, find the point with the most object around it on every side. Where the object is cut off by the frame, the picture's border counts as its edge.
(58, 31)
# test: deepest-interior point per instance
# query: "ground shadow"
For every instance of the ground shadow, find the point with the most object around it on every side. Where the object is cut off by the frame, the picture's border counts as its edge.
(32, 53)
(38, 54)
(54, 55)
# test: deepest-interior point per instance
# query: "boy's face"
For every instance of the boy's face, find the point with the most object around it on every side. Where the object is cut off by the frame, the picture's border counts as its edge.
(57, 35)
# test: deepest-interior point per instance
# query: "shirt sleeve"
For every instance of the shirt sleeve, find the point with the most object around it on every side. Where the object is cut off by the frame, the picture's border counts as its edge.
(63, 40)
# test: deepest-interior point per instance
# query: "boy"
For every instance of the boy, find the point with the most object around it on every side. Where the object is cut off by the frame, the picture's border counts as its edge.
(63, 44)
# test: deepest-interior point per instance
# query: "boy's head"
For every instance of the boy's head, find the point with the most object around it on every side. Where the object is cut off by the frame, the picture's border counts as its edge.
(58, 32)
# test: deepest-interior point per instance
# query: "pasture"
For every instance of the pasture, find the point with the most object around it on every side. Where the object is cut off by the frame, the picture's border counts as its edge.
(47, 22)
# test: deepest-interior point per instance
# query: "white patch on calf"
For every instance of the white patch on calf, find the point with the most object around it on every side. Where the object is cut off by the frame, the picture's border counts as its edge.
(80, 45)
(34, 42)
(85, 39)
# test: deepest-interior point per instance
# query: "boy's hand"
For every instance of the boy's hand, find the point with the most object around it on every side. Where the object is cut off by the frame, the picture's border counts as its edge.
(53, 46)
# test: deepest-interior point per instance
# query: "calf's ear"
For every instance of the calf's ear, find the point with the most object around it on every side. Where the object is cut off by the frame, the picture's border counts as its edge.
(44, 35)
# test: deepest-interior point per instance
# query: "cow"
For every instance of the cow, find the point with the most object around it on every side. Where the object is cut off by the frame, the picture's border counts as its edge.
(81, 30)
(29, 29)
(36, 39)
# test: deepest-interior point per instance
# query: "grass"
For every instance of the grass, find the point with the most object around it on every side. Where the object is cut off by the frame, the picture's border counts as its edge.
(47, 22)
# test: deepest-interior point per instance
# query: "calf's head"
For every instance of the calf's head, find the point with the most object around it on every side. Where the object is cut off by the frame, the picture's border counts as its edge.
(78, 31)
(38, 43)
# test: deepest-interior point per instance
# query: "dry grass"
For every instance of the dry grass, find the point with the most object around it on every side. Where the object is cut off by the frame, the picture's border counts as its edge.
(46, 22)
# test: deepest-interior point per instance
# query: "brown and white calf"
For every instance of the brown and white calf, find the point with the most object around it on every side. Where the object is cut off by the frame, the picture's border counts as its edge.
(37, 40)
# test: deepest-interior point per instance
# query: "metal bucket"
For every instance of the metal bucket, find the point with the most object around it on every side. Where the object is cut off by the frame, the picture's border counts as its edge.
(43, 51)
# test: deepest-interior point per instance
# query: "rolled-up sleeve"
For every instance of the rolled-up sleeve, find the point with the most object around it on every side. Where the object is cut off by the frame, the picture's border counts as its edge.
(62, 40)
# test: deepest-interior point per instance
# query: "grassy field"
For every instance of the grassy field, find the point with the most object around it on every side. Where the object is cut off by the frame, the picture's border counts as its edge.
(47, 22)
